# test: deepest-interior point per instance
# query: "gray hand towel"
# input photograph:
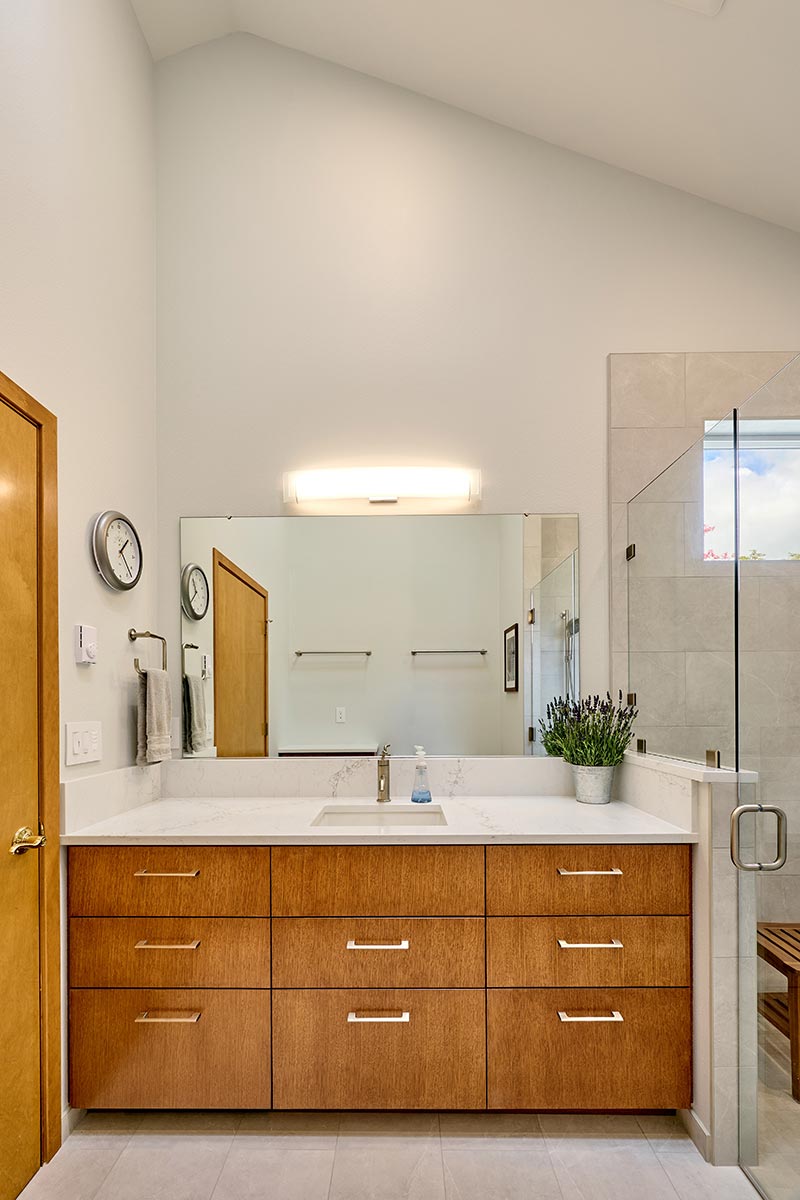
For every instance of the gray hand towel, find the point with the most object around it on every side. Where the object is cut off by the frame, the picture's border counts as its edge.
(194, 714)
(154, 718)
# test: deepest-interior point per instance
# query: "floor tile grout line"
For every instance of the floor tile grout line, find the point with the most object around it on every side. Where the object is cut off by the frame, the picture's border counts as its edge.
(222, 1165)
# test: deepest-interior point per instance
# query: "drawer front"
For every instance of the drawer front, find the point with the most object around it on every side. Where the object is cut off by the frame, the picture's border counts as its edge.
(543, 880)
(169, 881)
(384, 881)
(168, 952)
(426, 1050)
(588, 951)
(174, 1058)
(639, 1059)
(378, 952)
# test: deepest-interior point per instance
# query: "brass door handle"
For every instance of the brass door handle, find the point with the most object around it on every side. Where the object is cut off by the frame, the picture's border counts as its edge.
(25, 839)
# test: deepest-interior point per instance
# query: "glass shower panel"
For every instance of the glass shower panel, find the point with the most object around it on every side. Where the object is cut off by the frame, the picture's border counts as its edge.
(681, 587)
(768, 452)
(555, 639)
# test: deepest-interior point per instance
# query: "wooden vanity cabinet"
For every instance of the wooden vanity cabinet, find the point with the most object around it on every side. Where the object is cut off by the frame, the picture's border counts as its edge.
(589, 977)
(380, 977)
(169, 971)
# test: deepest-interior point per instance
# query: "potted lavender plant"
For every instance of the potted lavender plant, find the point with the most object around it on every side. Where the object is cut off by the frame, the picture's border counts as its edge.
(592, 735)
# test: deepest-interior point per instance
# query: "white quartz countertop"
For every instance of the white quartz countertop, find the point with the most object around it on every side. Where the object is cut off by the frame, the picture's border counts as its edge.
(288, 821)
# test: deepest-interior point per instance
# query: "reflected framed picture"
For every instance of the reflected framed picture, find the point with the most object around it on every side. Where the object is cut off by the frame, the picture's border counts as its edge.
(511, 658)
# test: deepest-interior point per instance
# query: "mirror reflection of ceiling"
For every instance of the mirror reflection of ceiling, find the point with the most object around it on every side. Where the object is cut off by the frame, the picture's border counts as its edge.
(411, 630)
(566, 72)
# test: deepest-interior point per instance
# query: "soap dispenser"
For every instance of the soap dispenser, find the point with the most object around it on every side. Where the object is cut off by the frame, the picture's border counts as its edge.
(422, 791)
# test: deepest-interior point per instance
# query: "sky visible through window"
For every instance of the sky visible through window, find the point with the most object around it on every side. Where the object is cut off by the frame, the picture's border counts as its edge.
(769, 487)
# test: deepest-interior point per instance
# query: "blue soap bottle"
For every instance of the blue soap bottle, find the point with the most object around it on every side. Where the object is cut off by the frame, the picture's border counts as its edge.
(422, 790)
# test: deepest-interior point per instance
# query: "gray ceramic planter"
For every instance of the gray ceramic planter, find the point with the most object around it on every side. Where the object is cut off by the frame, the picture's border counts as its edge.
(593, 784)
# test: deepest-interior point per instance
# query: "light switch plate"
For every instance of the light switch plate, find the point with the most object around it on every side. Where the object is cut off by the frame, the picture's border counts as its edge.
(85, 644)
(83, 742)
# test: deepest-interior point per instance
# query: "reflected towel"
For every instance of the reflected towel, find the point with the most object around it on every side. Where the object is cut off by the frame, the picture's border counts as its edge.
(195, 736)
(154, 718)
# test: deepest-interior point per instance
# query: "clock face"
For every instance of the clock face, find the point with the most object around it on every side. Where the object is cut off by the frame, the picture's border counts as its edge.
(194, 591)
(117, 551)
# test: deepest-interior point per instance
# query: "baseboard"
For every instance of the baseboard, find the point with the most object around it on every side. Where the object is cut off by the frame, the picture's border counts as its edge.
(69, 1119)
(697, 1131)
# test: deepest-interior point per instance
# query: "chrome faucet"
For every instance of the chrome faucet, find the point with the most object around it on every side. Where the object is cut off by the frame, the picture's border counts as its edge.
(384, 795)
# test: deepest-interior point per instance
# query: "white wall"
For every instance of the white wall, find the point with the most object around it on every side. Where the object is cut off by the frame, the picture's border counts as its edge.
(352, 273)
(77, 306)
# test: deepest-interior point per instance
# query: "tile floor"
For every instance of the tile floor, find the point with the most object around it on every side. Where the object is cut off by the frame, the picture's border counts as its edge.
(378, 1156)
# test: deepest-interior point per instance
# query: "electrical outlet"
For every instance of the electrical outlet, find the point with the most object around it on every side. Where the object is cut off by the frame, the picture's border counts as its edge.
(341, 714)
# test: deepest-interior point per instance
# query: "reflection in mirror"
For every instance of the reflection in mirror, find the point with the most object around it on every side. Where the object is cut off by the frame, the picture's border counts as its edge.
(334, 635)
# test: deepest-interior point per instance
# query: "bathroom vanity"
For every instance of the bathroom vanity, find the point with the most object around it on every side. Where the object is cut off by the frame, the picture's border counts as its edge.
(472, 966)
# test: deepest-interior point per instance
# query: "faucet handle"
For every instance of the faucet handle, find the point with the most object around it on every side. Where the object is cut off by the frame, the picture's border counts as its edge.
(386, 749)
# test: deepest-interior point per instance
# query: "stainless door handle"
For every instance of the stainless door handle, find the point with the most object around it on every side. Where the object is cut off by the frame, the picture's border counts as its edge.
(145, 945)
(145, 874)
(613, 1016)
(782, 838)
(612, 871)
(153, 1018)
(353, 945)
(614, 944)
(401, 1019)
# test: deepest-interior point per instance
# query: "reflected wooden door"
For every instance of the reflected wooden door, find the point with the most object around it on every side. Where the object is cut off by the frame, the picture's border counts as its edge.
(28, 777)
(241, 662)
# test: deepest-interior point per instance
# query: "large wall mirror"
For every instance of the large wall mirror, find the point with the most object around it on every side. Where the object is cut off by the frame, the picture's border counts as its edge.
(329, 635)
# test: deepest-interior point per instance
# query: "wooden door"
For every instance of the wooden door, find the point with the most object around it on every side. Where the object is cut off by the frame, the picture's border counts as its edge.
(29, 954)
(241, 666)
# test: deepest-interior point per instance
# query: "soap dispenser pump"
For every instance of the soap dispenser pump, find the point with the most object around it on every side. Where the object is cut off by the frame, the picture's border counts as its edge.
(422, 791)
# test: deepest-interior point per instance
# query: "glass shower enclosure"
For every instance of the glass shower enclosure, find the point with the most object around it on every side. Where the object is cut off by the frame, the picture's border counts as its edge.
(554, 651)
(713, 579)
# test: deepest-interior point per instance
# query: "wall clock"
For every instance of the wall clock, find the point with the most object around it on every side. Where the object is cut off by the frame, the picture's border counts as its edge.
(117, 551)
(194, 592)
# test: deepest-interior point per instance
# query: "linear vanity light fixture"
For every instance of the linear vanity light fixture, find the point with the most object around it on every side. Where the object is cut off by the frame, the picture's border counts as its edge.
(382, 485)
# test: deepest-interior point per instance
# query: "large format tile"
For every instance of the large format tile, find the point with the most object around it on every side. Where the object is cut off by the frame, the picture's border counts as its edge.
(79, 1168)
(256, 1169)
(646, 390)
(666, 1134)
(409, 1169)
(167, 1167)
(595, 1129)
(657, 531)
(490, 1131)
(588, 1171)
(717, 383)
(500, 1174)
(687, 613)
(189, 1121)
(638, 458)
(388, 1127)
(659, 681)
(694, 1179)
(292, 1130)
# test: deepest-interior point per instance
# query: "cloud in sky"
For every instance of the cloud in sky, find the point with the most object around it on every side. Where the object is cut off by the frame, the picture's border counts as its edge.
(770, 502)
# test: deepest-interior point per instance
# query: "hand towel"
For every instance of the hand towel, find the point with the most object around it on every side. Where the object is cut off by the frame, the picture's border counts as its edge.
(154, 717)
(194, 714)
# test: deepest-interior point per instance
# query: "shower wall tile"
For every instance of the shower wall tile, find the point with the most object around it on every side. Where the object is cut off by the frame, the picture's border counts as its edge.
(659, 680)
(780, 397)
(646, 390)
(689, 613)
(717, 383)
(770, 608)
(657, 531)
(710, 689)
(769, 683)
(637, 456)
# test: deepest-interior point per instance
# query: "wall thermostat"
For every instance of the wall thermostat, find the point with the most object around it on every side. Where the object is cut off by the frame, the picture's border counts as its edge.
(85, 644)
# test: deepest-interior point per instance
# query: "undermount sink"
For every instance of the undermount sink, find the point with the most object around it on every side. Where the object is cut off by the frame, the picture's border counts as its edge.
(380, 814)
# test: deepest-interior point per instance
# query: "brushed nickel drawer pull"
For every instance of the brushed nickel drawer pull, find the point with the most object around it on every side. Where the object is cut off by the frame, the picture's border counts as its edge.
(144, 1018)
(353, 945)
(613, 871)
(354, 1019)
(145, 874)
(615, 1016)
(614, 944)
(145, 945)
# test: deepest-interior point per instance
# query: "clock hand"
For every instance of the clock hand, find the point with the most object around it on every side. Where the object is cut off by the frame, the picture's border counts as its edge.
(124, 559)
(194, 593)
(124, 544)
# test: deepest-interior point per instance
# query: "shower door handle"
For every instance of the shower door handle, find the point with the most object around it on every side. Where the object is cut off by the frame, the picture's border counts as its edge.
(781, 848)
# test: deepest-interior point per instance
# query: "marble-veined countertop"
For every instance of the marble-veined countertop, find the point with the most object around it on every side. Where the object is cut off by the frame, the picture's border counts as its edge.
(288, 821)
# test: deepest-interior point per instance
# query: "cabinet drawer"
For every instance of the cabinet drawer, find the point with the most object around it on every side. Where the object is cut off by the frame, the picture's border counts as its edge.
(379, 1049)
(378, 952)
(637, 1056)
(169, 881)
(543, 880)
(174, 1058)
(385, 881)
(589, 951)
(168, 952)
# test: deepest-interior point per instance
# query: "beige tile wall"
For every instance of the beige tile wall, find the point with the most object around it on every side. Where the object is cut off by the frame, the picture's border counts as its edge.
(672, 613)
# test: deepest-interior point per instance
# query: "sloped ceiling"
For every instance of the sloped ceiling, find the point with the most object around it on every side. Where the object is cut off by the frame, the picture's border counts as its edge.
(703, 95)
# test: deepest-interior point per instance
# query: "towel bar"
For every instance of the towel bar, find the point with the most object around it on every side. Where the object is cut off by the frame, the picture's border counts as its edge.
(133, 634)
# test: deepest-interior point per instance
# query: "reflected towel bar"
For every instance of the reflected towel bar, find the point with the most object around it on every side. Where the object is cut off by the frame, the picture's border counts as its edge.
(414, 652)
(300, 653)
(190, 646)
(133, 634)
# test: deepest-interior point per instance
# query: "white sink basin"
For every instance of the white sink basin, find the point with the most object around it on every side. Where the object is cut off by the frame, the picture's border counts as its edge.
(380, 815)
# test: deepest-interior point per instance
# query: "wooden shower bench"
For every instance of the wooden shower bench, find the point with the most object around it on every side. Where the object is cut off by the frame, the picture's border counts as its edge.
(779, 945)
